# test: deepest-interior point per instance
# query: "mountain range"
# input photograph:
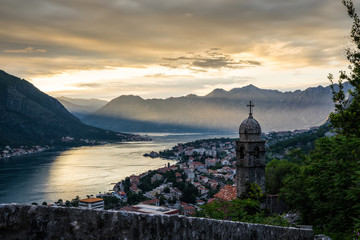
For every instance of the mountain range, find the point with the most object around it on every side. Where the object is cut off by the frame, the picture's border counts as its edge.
(31, 117)
(218, 111)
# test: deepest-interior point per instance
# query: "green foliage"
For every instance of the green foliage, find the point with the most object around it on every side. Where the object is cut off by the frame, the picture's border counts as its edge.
(212, 192)
(253, 192)
(275, 173)
(75, 201)
(162, 200)
(126, 183)
(133, 198)
(299, 144)
(327, 188)
(346, 119)
(217, 166)
(170, 176)
(44, 204)
(244, 210)
(167, 153)
(111, 202)
(167, 190)
(189, 191)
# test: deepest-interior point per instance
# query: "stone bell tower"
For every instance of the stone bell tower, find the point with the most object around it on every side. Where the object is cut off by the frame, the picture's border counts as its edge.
(250, 154)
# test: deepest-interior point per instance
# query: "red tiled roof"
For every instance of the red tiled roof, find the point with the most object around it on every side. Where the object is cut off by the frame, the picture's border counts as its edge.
(191, 208)
(91, 200)
(150, 202)
(226, 193)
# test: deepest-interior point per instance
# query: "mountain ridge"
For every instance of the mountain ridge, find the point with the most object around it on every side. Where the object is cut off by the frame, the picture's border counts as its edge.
(220, 110)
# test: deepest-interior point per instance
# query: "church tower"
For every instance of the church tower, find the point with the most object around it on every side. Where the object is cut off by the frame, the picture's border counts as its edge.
(250, 155)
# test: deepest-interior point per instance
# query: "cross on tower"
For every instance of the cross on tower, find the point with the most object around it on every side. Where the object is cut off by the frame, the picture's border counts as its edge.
(250, 105)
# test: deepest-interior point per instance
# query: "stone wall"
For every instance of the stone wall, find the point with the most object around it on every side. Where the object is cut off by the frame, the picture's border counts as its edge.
(43, 222)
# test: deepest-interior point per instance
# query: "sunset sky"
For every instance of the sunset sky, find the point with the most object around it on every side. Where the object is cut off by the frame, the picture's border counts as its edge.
(162, 48)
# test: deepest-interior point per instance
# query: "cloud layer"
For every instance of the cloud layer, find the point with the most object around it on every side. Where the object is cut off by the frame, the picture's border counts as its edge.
(205, 38)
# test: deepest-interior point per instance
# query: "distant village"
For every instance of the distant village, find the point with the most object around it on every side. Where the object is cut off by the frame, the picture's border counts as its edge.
(10, 151)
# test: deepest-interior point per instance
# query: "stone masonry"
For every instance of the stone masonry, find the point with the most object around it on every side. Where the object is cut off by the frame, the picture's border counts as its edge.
(44, 222)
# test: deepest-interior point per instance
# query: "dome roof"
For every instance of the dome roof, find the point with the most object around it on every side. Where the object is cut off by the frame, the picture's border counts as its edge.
(250, 126)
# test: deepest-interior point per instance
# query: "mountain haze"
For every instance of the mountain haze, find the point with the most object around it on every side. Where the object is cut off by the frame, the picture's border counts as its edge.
(29, 116)
(220, 110)
(81, 107)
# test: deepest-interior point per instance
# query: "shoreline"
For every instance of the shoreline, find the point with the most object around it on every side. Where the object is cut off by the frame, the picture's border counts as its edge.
(8, 152)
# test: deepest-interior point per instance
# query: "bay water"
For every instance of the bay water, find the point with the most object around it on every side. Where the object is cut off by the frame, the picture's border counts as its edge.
(81, 171)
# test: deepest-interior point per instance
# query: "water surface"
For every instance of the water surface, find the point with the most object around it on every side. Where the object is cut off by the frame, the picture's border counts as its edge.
(49, 176)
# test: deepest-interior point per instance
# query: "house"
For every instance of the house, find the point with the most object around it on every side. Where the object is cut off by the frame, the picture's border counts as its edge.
(91, 203)
(164, 169)
(194, 165)
(226, 193)
(174, 167)
(213, 184)
(177, 193)
(135, 179)
(189, 210)
(120, 195)
(156, 177)
(202, 168)
(203, 179)
(202, 190)
(135, 189)
(229, 176)
(200, 202)
(210, 162)
(155, 202)
(225, 162)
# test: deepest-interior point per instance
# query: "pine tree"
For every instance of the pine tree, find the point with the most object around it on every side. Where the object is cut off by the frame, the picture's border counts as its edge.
(346, 119)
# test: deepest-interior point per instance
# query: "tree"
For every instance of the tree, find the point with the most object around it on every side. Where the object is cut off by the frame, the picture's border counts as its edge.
(275, 173)
(245, 209)
(346, 119)
(326, 189)
(75, 201)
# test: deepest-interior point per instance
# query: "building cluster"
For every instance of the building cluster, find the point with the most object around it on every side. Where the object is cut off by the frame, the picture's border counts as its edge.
(207, 165)
(8, 151)
(283, 135)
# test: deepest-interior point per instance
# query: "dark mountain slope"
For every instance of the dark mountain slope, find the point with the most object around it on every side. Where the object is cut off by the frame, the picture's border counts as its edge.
(29, 116)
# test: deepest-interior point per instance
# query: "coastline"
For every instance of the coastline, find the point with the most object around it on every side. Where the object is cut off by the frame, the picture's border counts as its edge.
(8, 152)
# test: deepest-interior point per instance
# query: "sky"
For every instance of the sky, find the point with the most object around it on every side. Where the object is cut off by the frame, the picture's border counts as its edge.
(169, 48)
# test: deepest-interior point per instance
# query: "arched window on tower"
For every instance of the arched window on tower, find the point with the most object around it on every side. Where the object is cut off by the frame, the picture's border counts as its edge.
(242, 152)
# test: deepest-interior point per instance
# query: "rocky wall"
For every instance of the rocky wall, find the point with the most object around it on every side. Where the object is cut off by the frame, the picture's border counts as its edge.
(43, 222)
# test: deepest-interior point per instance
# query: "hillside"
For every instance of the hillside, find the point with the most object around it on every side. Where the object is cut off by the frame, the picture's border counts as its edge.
(220, 110)
(29, 116)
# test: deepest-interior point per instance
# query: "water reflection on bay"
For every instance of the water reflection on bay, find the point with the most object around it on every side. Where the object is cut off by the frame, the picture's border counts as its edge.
(50, 176)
